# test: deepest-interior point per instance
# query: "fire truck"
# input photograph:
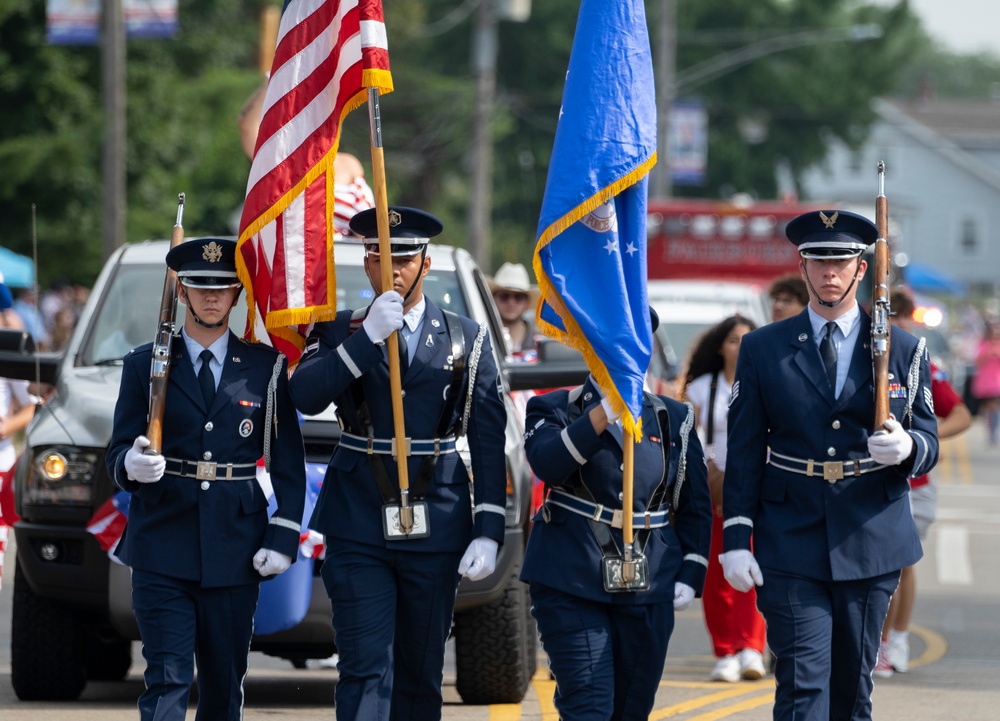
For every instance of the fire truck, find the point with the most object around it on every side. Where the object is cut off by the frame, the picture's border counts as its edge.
(701, 239)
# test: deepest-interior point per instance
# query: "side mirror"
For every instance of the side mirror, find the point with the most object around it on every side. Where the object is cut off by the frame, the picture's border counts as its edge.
(19, 360)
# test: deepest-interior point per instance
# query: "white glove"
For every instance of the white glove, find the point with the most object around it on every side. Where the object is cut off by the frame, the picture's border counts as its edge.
(683, 596)
(384, 316)
(892, 448)
(741, 570)
(270, 563)
(143, 468)
(609, 411)
(480, 559)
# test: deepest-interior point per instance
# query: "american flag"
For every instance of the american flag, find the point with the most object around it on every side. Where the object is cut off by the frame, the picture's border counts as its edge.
(328, 53)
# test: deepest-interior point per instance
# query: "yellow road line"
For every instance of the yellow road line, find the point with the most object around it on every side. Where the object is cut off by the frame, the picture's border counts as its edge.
(935, 646)
(741, 689)
(726, 711)
(505, 712)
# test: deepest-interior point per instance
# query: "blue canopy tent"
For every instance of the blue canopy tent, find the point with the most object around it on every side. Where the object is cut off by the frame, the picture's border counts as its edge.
(925, 279)
(18, 270)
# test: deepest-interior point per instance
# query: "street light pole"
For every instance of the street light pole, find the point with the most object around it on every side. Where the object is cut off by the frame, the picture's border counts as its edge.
(665, 93)
(484, 71)
(113, 94)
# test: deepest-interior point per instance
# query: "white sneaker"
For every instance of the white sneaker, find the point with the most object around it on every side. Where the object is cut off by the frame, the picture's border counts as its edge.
(726, 669)
(751, 664)
(899, 654)
(883, 669)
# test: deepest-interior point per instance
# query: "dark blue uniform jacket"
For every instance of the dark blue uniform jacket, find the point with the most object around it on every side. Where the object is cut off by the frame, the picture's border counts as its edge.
(563, 552)
(174, 527)
(350, 505)
(855, 528)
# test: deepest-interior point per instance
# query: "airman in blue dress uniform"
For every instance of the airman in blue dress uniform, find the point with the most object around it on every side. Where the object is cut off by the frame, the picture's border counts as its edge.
(607, 640)
(393, 592)
(198, 537)
(825, 498)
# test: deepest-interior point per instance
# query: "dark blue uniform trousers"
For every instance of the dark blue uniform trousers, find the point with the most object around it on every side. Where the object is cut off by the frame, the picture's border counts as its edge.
(180, 622)
(392, 613)
(825, 635)
(607, 658)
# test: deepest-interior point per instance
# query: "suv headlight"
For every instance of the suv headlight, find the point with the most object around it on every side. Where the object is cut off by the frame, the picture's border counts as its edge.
(61, 476)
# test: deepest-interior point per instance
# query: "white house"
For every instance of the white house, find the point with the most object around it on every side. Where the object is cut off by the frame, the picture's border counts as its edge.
(942, 185)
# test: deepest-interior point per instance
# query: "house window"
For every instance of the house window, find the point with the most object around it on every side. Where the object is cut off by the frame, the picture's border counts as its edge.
(968, 240)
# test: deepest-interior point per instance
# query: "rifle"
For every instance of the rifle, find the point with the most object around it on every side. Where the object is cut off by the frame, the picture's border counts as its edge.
(880, 305)
(160, 367)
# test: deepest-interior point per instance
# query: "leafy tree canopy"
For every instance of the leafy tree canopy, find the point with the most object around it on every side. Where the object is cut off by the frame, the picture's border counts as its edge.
(184, 95)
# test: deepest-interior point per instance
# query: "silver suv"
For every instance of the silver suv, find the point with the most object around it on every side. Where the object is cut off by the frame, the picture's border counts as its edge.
(72, 618)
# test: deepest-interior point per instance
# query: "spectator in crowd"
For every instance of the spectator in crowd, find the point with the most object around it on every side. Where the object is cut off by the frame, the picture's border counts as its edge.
(986, 381)
(515, 298)
(24, 304)
(789, 296)
(734, 623)
(17, 407)
(953, 418)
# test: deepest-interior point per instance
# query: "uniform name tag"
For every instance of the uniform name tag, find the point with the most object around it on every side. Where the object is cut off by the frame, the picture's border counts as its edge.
(613, 581)
(391, 528)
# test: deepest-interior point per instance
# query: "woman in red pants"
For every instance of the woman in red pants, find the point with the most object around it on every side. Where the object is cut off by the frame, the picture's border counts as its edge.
(733, 621)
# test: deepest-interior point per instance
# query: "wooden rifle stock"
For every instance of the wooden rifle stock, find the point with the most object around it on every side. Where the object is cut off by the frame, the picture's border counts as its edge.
(160, 367)
(880, 305)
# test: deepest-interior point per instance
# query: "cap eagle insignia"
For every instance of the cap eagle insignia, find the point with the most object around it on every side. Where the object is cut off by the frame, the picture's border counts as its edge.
(212, 252)
(394, 218)
(829, 221)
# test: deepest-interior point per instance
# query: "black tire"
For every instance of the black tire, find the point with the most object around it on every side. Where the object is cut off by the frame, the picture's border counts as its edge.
(107, 656)
(46, 647)
(495, 648)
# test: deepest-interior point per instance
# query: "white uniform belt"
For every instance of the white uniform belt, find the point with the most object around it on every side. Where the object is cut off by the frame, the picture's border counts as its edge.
(209, 471)
(611, 516)
(832, 471)
(387, 446)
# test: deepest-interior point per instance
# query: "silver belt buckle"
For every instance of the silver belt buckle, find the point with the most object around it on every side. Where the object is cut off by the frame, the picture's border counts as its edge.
(205, 471)
(833, 471)
(617, 518)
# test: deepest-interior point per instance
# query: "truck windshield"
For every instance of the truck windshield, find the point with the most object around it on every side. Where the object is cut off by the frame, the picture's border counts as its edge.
(127, 314)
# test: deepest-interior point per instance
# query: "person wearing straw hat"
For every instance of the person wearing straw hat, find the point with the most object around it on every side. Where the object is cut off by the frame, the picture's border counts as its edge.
(822, 495)
(515, 298)
(392, 586)
(198, 537)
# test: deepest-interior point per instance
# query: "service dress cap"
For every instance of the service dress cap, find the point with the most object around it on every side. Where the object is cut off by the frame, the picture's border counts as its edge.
(409, 230)
(831, 234)
(208, 263)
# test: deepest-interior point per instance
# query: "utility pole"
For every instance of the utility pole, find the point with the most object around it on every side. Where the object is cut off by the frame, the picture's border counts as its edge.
(484, 70)
(665, 91)
(113, 94)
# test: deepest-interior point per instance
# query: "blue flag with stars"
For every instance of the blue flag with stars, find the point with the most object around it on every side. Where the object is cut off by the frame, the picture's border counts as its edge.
(590, 257)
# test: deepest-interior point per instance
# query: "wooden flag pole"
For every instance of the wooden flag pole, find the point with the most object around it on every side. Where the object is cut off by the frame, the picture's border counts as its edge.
(385, 264)
(628, 459)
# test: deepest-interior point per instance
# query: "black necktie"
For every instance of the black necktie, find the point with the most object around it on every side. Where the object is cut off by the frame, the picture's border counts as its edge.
(205, 378)
(404, 351)
(829, 353)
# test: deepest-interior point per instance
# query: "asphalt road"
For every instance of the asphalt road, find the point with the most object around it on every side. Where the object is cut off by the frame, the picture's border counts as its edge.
(955, 639)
